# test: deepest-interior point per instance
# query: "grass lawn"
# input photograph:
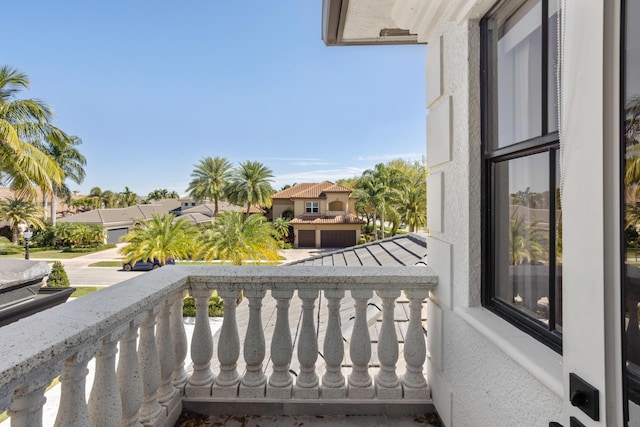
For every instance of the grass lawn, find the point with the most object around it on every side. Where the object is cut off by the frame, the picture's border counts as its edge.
(106, 264)
(48, 255)
(84, 290)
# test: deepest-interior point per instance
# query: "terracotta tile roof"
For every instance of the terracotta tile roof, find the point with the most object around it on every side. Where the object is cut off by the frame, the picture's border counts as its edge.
(324, 219)
(335, 188)
(286, 194)
(311, 191)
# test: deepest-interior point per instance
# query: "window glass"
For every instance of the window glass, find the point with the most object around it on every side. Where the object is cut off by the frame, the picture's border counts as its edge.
(631, 220)
(311, 207)
(519, 76)
(522, 257)
(522, 234)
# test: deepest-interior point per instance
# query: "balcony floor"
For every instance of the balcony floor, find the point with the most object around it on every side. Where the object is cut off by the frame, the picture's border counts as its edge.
(188, 419)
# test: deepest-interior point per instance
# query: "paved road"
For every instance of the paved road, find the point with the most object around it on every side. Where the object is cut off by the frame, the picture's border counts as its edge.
(80, 274)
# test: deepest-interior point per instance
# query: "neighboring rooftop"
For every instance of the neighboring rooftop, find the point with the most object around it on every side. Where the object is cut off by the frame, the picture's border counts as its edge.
(404, 249)
(311, 190)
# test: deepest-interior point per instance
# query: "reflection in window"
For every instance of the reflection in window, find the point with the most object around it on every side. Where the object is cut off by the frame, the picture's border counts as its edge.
(631, 220)
(522, 256)
(522, 234)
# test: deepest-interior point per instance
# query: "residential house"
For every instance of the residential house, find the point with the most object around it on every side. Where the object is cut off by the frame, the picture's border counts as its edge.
(524, 96)
(322, 214)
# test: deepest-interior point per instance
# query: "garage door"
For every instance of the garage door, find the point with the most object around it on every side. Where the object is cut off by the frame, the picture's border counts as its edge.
(306, 238)
(337, 238)
(113, 235)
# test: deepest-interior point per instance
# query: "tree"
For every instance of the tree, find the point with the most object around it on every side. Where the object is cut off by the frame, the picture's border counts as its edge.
(22, 123)
(161, 237)
(414, 207)
(162, 194)
(281, 227)
(238, 240)
(525, 241)
(17, 211)
(58, 277)
(62, 149)
(127, 198)
(251, 185)
(210, 178)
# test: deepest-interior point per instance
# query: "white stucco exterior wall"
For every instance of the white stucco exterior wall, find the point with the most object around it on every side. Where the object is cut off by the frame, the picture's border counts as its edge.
(483, 371)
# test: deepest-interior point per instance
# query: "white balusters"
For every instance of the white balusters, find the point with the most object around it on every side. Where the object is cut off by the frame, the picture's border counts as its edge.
(129, 378)
(73, 411)
(280, 382)
(168, 395)
(414, 384)
(360, 383)
(201, 348)
(179, 338)
(254, 380)
(387, 382)
(333, 382)
(105, 405)
(226, 384)
(307, 383)
(26, 408)
(151, 409)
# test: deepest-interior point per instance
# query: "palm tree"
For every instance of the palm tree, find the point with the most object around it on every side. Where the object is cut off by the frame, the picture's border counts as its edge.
(162, 194)
(127, 198)
(415, 208)
(281, 227)
(17, 211)
(251, 185)
(370, 194)
(161, 237)
(22, 123)
(525, 241)
(61, 148)
(235, 239)
(387, 184)
(209, 180)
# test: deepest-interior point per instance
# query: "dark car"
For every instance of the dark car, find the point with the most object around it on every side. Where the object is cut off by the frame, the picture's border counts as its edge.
(148, 264)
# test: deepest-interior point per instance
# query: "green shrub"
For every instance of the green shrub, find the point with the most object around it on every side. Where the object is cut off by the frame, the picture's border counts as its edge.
(216, 307)
(58, 277)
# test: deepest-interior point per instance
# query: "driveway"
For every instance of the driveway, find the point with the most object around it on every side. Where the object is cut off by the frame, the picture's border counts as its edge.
(80, 274)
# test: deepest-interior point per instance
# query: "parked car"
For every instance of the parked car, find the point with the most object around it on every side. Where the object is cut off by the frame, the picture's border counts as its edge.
(148, 264)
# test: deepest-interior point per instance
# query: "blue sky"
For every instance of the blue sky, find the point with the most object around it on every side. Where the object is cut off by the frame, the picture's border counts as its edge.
(152, 87)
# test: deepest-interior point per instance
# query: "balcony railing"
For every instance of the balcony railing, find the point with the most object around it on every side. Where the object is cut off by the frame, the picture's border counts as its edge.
(151, 381)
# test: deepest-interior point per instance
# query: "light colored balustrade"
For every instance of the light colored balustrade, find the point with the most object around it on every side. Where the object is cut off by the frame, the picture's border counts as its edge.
(144, 377)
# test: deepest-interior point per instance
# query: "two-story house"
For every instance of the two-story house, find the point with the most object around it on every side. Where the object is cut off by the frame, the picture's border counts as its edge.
(322, 214)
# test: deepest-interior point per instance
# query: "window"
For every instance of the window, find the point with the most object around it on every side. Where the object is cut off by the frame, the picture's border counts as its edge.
(311, 207)
(522, 243)
(630, 189)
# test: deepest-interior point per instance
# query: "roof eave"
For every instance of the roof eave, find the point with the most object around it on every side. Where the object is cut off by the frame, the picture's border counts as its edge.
(334, 14)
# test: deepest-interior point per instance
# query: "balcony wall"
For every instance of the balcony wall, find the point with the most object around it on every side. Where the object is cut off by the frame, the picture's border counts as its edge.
(135, 333)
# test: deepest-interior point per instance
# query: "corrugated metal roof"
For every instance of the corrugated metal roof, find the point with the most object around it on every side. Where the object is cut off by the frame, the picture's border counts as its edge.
(404, 249)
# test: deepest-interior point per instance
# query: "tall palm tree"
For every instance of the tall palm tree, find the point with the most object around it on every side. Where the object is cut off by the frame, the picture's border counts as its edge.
(161, 237)
(127, 198)
(17, 211)
(62, 149)
(414, 207)
(23, 122)
(237, 240)
(210, 177)
(251, 185)
(281, 227)
(388, 182)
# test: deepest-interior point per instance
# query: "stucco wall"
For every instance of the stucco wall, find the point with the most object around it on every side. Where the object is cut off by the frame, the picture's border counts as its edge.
(278, 207)
(479, 377)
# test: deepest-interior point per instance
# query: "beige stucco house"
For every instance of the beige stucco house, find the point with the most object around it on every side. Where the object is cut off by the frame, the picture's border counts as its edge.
(323, 214)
